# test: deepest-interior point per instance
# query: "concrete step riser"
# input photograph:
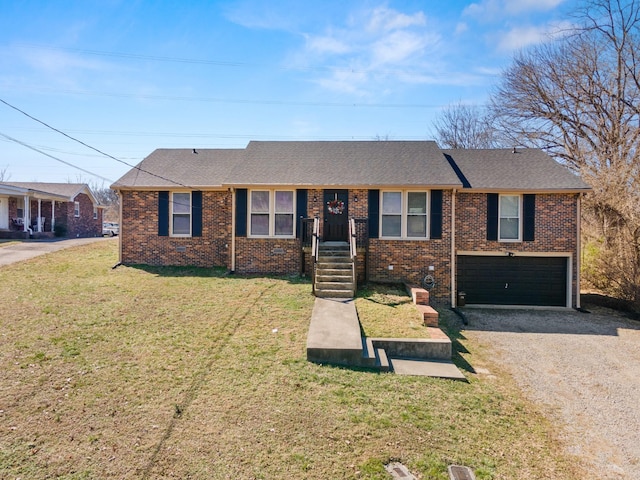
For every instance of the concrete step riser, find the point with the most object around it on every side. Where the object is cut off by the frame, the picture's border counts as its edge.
(334, 293)
(333, 278)
(334, 286)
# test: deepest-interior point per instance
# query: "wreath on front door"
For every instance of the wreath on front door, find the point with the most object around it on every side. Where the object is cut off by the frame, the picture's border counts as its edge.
(335, 207)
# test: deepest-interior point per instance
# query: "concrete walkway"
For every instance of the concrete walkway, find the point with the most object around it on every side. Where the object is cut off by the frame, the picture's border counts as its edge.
(335, 338)
(20, 250)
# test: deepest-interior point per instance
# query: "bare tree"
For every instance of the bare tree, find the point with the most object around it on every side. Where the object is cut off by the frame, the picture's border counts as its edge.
(4, 174)
(466, 126)
(579, 99)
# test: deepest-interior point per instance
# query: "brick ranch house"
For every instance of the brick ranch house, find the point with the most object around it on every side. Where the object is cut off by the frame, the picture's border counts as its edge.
(40, 210)
(500, 225)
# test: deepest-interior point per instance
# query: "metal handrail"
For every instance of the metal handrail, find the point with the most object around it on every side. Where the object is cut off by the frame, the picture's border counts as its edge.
(353, 251)
(315, 246)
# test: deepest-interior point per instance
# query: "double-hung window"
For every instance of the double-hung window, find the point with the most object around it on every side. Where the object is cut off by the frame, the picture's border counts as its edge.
(271, 213)
(404, 214)
(20, 208)
(509, 218)
(181, 214)
(76, 209)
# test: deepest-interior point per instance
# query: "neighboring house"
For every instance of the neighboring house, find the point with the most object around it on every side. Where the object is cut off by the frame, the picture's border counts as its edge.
(501, 226)
(39, 209)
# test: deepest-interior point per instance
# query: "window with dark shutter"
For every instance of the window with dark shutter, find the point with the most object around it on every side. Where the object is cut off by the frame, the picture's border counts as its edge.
(492, 216)
(301, 209)
(436, 214)
(196, 214)
(163, 214)
(241, 212)
(374, 212)
(529, 213)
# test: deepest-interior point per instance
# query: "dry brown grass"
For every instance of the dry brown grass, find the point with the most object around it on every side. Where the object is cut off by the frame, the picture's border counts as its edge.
(150, 373)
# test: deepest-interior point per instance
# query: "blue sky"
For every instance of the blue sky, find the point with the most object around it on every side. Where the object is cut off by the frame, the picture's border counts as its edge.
(127, 77)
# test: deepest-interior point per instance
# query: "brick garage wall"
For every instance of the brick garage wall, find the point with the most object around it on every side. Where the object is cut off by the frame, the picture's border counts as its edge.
(142, 245)
(555, 227)
(268, 255)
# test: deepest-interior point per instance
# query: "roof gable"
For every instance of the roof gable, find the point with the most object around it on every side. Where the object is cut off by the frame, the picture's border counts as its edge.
(528, 169)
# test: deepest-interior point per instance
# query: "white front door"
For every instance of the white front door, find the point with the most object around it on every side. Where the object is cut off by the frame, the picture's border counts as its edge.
(4, 213)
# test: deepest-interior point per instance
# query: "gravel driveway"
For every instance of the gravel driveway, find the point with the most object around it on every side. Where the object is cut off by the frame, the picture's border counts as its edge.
(585, 369)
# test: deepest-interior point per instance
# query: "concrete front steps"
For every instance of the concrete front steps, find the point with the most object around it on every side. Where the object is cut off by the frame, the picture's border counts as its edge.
(334, 338)
(334, 271)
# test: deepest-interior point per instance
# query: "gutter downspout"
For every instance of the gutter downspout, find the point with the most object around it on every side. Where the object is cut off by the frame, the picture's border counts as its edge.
(233, 229)
(578, 247)
(453, 248)
(120, 197)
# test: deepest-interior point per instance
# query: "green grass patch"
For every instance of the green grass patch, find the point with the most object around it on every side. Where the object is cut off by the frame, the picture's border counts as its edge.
(149, 373)
(388, 311)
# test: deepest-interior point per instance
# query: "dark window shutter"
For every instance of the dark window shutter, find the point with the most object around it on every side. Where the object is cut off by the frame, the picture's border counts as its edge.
(163, 214)
(374, 211)
(436, 214)
(529, 213)
(241, 212)
(492, 216)
(301, 209)
(196, 214)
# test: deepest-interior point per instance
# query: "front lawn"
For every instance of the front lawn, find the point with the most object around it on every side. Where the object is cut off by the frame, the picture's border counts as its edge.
(150, 373)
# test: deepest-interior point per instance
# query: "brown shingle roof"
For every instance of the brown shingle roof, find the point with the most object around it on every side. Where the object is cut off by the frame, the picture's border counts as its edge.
(527, 169)
(296, 163)
(175, 168)
(67, 190)
(350, 163)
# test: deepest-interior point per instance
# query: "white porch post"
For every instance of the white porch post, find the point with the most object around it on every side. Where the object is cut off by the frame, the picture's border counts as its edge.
(39, 222)
(27, 214)
(53, 215)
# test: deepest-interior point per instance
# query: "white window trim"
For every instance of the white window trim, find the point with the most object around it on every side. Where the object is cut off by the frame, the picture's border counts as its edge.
(404, 214)
(76, 209)
(95, 213)
(272, 213)
(171, 203)
(510, 240)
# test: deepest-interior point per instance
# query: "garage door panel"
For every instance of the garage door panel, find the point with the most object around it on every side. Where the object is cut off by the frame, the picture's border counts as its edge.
(513, 280)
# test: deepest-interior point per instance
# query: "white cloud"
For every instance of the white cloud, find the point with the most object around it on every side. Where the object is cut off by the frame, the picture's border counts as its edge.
(372, 44)
(327, 45)
(524, 36)
(461, 27)
(399, 46)
(493, 9)
(385, 19)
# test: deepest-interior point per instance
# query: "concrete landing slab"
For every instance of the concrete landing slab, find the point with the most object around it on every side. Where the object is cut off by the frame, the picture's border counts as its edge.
(426, 368)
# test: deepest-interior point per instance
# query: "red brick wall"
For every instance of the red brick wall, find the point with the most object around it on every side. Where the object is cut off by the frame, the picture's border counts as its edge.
(411, 258)
(268, 255)
(142, 245)
(83, 226)
(555, 227)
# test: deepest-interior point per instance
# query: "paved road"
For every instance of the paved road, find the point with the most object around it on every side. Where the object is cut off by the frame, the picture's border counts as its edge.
(26, 249)
(583, 369)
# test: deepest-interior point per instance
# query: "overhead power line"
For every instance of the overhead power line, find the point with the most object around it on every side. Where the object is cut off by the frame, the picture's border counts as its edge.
(81, 143)
(31, 147)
